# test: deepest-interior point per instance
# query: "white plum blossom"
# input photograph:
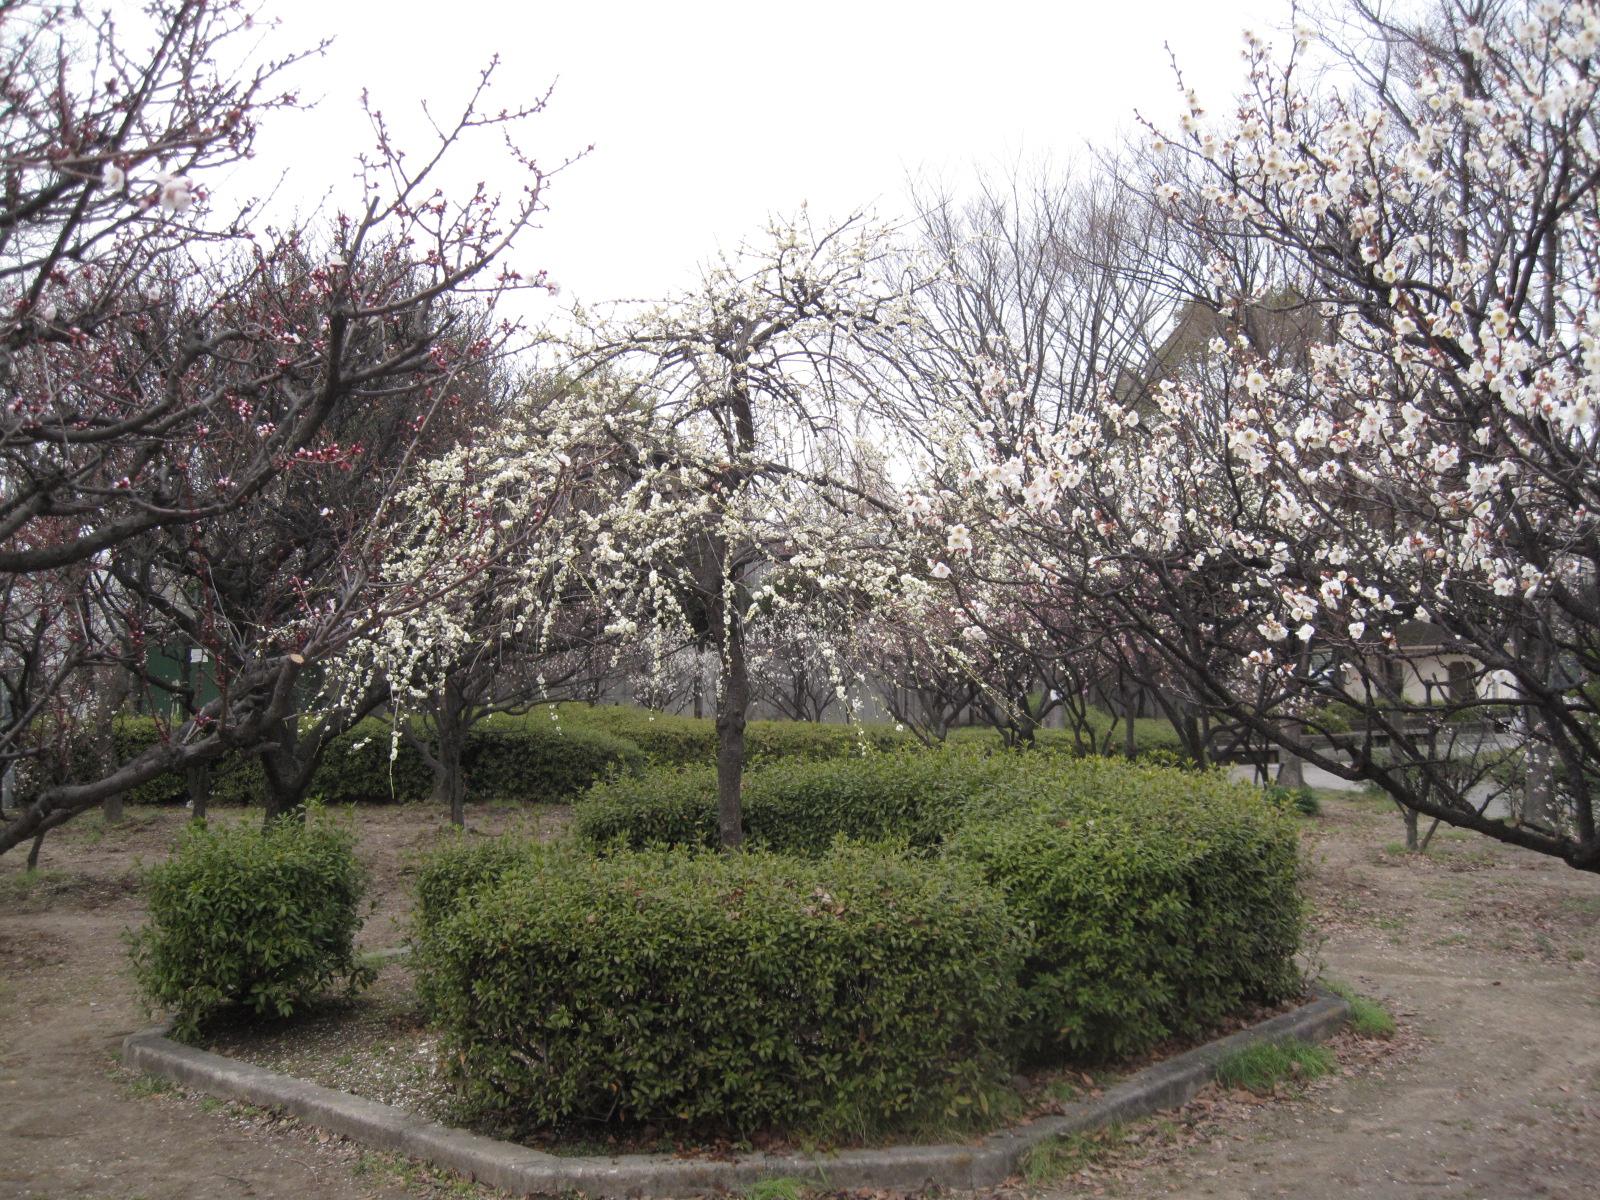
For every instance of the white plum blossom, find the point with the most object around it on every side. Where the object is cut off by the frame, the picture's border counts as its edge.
(176, 193)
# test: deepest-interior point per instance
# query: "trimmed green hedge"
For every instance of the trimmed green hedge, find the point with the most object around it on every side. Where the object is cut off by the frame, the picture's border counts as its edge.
(510, 758)
(664, 806)
(447, 879)
(533, 758)
(1152, 736)
(798, 806)
(847, 993)
(665, 740)
(1164, 899)
(262, 919)
(692, 741)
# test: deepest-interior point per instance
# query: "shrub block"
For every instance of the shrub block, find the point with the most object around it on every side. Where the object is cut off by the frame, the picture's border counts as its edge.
(844, 993)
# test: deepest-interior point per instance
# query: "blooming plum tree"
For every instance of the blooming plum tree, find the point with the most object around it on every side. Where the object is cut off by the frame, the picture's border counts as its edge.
(1285, 537)
(164, 364)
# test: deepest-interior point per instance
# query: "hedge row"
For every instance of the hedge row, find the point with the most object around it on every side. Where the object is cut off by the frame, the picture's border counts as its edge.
(506, 758)
(916, 796)
(686, 741)
(1164, 899)
(1154, 737)
(549, 754)
(692, 741)
(847, 993)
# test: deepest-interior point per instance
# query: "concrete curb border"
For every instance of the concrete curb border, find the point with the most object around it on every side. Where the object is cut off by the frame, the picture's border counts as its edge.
(984, 1162)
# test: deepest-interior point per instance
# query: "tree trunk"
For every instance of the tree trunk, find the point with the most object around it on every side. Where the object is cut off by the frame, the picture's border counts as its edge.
(1024, 725)
(1291, 768)
(448, 780)
(449, 783)
(1413, 842)
(113, 693)
(197, 781)
(733, 702)
(287, 779)
(1538, 799)
(449, 790)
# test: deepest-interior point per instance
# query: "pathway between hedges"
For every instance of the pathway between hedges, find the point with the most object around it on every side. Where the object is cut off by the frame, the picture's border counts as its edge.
(1492, 1090)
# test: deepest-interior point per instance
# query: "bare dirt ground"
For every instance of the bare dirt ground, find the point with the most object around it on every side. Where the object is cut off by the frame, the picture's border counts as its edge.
(1489, 956)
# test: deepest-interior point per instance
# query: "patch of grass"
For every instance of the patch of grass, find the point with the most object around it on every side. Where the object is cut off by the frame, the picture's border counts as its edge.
(415, 1176)
(1262, 1067)
(784, 1188)
(23, 885)
(151, 1085)
(1051, 1162)
(91, 828)
(1367, 1017)
(1370, 1019)
(1582, 904)
(1063, 1090)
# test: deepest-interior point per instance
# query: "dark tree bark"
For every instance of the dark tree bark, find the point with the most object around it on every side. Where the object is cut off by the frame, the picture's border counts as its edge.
(733, 703)
(287, 776)
(197, 782)
(449, 748)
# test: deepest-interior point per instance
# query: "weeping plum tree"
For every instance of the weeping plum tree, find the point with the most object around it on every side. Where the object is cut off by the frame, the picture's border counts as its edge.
(718, 466)
(504, 517)
(754, 489)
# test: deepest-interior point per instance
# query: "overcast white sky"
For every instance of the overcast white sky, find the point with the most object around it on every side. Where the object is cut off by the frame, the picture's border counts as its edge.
(707, 116)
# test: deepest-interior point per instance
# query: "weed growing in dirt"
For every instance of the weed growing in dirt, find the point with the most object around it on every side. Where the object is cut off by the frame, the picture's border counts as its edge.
(1371, 1019)
(151, 1085)
(1050, 1162)
(92, 830)
(1368, 1018)
(415, 1176)
(1261, 1068)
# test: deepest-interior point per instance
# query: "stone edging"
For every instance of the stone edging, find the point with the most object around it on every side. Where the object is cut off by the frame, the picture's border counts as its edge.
(984, 1162)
